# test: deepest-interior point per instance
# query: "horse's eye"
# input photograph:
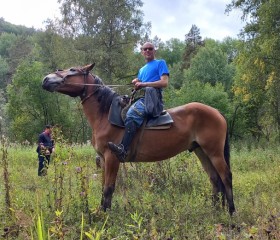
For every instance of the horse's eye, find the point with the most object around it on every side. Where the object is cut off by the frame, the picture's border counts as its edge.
(72, 69)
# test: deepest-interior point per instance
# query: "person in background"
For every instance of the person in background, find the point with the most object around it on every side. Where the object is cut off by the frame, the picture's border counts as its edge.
(152, 77)
(44, 149)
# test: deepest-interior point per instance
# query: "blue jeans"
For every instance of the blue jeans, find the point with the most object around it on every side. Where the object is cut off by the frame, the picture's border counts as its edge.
(136, 112)
(44, 162)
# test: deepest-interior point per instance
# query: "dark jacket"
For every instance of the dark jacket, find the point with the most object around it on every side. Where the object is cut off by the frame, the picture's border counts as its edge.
(153, 101)
(46, 141)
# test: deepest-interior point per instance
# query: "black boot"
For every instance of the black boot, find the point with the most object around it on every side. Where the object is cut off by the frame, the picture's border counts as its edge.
(120, 150)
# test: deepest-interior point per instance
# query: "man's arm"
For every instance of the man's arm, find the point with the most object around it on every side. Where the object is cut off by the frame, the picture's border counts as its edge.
(162, 83)
(41, 139)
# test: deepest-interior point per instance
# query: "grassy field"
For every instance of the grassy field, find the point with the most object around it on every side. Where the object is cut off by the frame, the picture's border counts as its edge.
(166, 200)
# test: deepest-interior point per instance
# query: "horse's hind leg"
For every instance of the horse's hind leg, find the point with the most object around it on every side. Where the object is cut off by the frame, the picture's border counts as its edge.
(224, 172)
(217, 185)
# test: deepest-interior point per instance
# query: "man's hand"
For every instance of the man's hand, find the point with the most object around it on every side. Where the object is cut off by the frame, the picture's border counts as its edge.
(135, 80)
(138, 84)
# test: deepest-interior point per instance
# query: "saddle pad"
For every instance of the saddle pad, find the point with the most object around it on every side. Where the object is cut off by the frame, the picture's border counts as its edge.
(162, 122)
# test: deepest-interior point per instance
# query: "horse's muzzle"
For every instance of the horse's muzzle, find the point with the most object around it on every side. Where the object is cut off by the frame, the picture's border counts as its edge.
(50, 84)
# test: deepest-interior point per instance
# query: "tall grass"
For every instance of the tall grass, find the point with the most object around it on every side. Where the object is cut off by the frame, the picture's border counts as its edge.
(166, 200)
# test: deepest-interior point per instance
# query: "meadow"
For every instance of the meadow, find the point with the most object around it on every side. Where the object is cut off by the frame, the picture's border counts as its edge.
(169, 200)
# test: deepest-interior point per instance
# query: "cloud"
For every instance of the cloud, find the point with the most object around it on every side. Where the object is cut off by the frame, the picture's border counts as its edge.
(30, 13)
(174, 19)
(169, 18)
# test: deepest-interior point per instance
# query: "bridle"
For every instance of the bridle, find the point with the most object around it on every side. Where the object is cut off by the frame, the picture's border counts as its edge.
(79, 72)
(84, 95)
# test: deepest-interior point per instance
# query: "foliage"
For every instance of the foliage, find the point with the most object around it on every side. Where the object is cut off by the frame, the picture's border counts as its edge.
(19, 51)
(105, 30)
(210, 65)
(164, 200)
(230, 47)
(257, 81)
(57, 52)
(31, 108)
(176, 79)
(171, 51)
(4, 69)
(249, 88)
(193, 42)
(196, 91)
(14, 29)
(109, 33)
(23, 99)
(6, 42)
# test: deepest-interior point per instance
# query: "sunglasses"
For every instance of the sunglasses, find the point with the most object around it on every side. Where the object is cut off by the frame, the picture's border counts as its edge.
(149, 48)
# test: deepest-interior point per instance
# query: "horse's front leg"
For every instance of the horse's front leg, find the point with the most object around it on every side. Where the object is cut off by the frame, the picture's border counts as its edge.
(110, 172)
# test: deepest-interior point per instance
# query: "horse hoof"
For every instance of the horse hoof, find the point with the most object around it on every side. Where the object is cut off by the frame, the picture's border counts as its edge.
(231, 211)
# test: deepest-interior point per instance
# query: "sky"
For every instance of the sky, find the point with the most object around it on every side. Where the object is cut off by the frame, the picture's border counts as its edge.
(169, 18)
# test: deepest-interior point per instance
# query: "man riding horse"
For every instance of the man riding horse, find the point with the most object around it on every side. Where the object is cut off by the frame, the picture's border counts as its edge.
(153, 76)
(196, 127)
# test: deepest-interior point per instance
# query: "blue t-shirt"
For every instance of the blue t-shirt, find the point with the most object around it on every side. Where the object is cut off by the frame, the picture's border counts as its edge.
(152, 71)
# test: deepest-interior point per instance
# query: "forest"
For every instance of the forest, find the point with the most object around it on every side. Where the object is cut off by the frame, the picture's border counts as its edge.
(239, 77)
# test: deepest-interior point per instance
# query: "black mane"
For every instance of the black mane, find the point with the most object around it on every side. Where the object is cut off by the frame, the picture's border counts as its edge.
(104, 96)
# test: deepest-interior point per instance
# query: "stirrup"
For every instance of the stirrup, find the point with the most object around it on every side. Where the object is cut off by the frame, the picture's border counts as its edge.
(118, 150)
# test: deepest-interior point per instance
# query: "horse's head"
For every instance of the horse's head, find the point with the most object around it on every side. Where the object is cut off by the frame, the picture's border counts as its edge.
(76, 82)
(71, 81)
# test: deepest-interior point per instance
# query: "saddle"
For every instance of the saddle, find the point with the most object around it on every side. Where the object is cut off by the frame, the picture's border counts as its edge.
(120, 106)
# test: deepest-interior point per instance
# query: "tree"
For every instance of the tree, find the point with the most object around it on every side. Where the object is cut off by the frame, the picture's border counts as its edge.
(210, 65)
(57, 51)
(9, 28)
(262, 36)
(30, 107)
(249, 90)
(193, 41)
(107, 31)
(19, 51)
(171, 51)
(230, 46)
(6, 42)
(4, 69)
(197, 91)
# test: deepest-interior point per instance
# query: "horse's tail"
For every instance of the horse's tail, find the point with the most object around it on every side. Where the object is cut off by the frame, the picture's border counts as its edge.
(221, 186)
(226, 147)
(227, 150)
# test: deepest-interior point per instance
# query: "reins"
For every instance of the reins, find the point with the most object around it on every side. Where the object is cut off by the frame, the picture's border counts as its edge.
(95, 84)
(85, 96)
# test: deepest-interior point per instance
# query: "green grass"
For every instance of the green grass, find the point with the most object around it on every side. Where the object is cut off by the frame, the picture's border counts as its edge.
(166, 200)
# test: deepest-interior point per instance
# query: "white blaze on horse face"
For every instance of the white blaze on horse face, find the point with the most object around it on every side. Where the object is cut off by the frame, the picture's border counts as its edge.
(51, 82)
(53, 77)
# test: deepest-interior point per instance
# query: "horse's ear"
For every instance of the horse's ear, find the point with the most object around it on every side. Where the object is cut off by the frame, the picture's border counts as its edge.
(89, 67)
(92, 65)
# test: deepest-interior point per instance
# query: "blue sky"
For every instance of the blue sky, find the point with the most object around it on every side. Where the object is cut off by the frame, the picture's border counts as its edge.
(169, 18)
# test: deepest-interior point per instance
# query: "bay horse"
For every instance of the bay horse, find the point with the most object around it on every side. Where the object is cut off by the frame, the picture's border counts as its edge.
(196, 127)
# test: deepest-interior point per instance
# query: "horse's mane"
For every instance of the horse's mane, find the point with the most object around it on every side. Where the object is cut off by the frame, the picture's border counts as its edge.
(104, 96)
